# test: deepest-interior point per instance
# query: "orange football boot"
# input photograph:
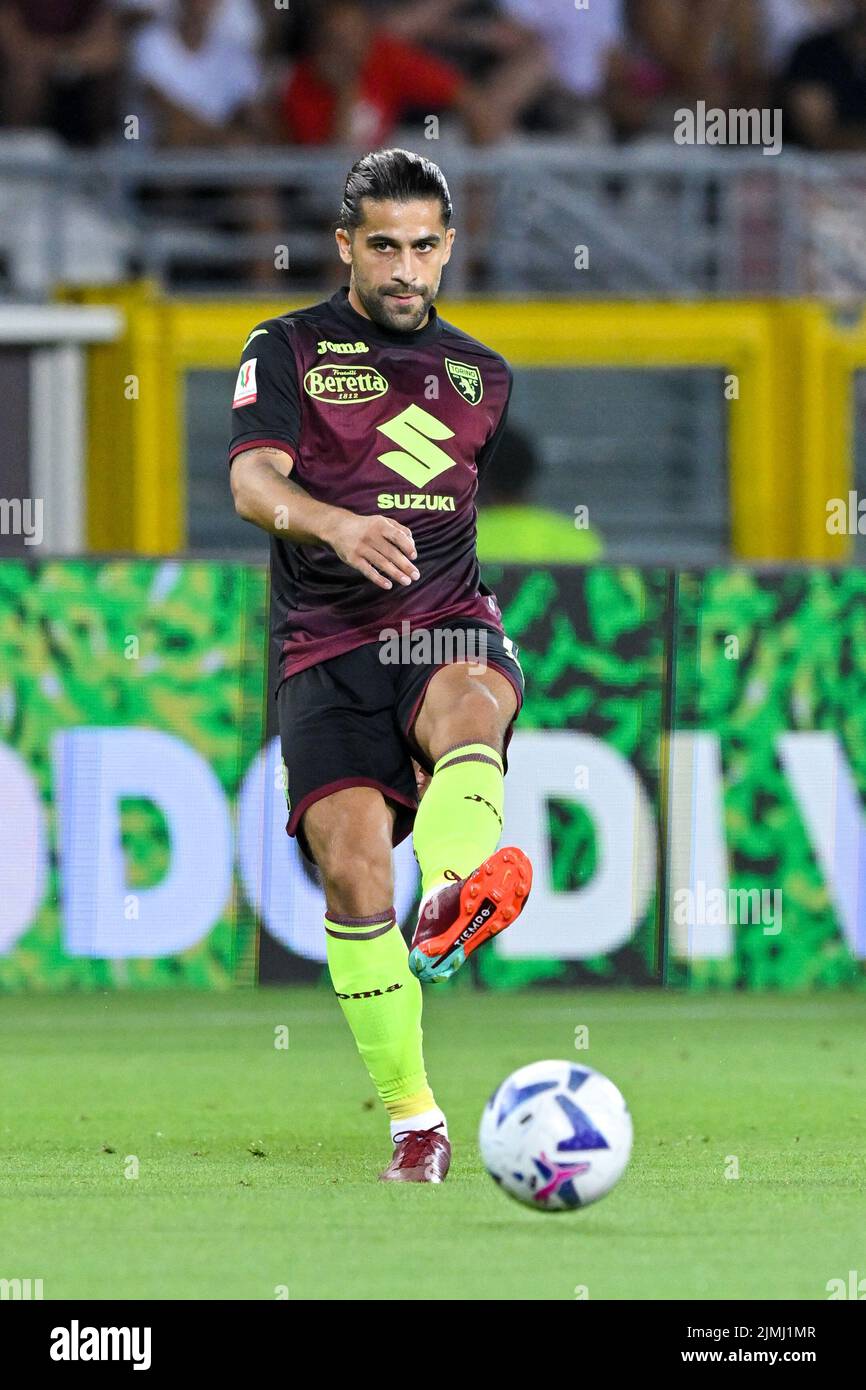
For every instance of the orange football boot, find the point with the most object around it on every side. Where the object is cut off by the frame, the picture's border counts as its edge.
(459, 917)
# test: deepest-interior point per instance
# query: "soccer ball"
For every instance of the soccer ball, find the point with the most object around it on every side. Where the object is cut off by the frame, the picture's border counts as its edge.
(556, 1135)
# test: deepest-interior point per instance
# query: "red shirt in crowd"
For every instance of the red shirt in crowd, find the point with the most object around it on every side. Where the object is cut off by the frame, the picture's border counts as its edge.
(394, 77)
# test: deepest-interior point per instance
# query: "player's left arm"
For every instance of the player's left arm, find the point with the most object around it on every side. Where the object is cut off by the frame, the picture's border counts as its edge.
(488, 449)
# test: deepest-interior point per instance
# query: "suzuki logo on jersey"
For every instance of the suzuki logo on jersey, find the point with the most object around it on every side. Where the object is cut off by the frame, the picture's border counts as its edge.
(325, 346)
(245, 389)
(466, 380)
(335, 383)
(415, 430)
(415, 501)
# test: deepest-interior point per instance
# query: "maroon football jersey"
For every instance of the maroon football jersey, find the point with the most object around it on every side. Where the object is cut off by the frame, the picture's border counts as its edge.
(377, 421)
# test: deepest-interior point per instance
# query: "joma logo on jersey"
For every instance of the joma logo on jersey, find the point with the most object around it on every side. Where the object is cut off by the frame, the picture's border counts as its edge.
(325, 346)
(466, 380)
(334, 383)
(415, 501)
(419, 460)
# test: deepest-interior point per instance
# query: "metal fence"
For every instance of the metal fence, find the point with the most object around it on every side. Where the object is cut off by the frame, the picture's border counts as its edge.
(534, 217)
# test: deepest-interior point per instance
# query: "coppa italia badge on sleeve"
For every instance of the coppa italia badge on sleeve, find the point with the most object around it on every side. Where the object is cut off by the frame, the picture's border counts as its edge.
(245, 390)
(466, 380)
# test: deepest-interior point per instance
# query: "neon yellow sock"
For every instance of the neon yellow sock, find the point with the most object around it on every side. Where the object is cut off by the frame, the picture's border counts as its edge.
(459, 821)
(381, 1001)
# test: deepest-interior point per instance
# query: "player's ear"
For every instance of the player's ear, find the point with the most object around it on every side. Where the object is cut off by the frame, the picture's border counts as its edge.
(449, 242)
(344, 245)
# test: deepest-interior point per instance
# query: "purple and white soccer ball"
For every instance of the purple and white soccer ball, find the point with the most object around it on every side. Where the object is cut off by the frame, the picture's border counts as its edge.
(556, 1135)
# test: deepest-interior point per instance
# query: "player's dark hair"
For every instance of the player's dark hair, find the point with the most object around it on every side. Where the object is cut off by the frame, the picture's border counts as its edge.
(392, 175)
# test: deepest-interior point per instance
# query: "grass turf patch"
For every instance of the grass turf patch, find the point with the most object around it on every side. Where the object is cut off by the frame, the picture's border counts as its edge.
(256, 1165)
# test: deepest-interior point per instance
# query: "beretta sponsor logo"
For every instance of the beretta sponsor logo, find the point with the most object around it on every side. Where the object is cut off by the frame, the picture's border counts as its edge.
(339, 383)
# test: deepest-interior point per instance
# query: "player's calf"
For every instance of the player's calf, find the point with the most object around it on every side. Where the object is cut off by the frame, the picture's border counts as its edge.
(349, 833)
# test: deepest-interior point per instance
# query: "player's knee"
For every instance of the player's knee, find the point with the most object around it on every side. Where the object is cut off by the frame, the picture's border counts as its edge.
(350, 833)
(352, 897)
(472, 717)
(357, 880)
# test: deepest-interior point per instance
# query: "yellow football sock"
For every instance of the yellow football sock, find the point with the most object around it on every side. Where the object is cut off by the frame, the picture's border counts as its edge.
(459, 821)
(381, 1001)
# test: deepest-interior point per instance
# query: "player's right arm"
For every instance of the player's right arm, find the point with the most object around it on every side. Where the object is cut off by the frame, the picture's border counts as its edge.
(264, 494)
(266, 418)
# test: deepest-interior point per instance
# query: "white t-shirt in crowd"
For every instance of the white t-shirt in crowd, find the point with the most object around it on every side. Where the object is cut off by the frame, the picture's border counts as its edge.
(213, 82)
(236, 21)
(578, 40)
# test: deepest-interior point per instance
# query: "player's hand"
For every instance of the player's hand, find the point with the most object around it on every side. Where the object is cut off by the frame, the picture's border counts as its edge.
(377, 547)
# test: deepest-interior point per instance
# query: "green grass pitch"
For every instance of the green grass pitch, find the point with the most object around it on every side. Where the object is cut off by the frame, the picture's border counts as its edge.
(257, 1165)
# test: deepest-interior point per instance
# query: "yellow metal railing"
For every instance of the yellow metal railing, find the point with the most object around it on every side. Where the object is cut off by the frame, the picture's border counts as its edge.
(788, 371)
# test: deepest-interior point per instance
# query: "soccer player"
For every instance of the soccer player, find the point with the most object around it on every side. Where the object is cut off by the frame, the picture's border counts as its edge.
(361, 426)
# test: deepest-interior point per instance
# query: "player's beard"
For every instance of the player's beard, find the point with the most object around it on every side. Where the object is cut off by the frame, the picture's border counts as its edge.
(388, 313)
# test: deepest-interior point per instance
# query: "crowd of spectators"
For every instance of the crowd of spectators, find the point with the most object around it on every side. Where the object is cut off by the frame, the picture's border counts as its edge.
(212, 73)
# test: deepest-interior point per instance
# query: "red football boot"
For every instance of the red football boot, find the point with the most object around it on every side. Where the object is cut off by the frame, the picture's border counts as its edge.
(461, 916)
(420, 1155)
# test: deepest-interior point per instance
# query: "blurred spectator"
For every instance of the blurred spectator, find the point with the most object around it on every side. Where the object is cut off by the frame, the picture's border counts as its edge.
(508, 62)
(579, 41)
(786, 23)
(510, 528)
(204, 89)
(290, 31)
(357, 81)
(825, 87)
(473, 35)
(60, 65)
(235, 21)
(202, 86)
(541, 61)
(360, 80)
(683, 51)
